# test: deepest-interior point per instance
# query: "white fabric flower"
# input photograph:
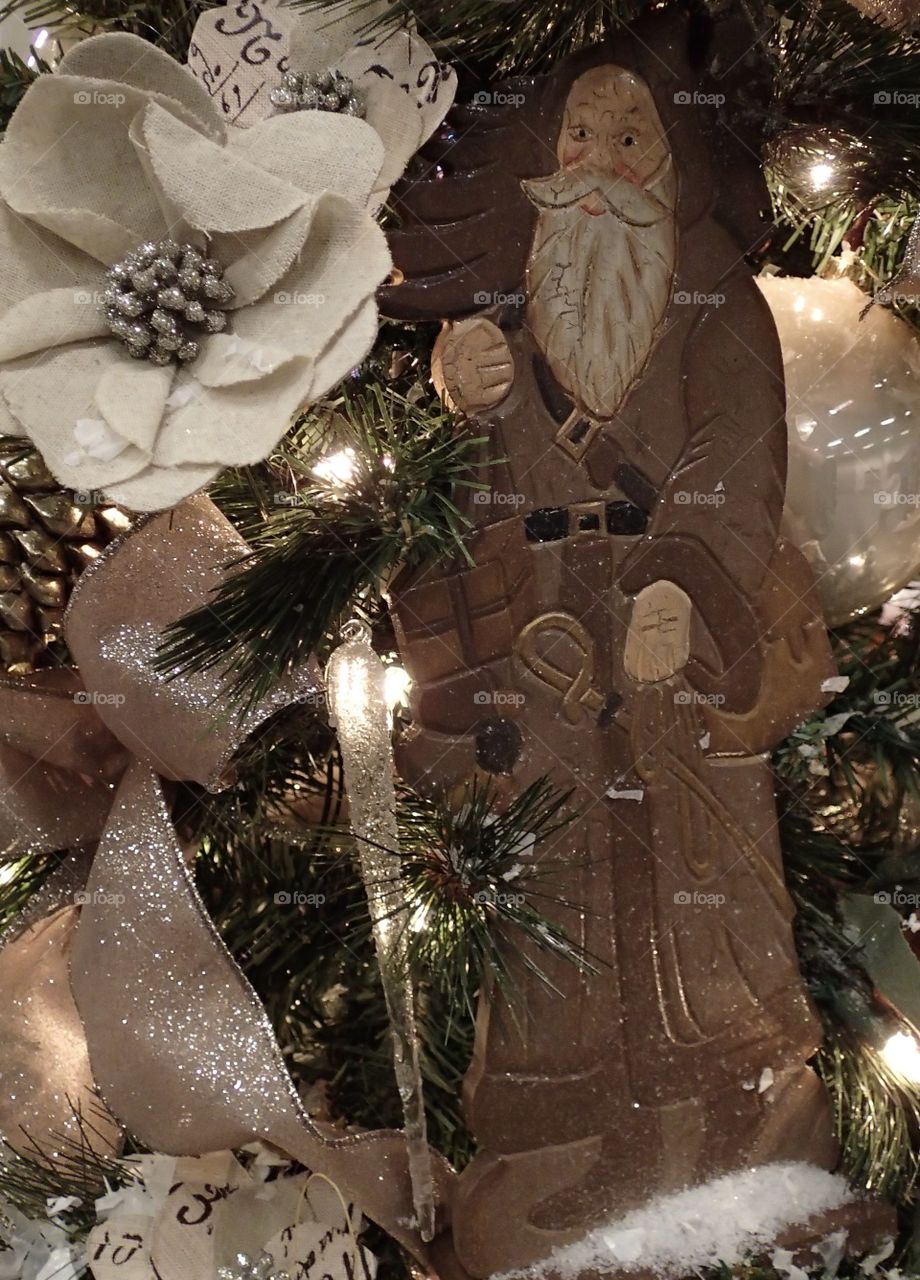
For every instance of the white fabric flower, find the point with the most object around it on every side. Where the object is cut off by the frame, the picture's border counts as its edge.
(406, 90)
(121, 146)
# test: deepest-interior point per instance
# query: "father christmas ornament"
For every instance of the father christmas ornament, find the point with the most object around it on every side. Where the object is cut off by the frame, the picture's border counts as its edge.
(631, 625)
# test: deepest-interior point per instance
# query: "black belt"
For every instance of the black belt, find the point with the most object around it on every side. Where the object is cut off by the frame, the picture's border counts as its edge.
(621, 519)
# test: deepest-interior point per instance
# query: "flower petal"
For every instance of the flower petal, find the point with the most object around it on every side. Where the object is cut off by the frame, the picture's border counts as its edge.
(179, 229)
(34, 261)
(8, 424)
(127, 59)
(50, 319)
(157, 488)
(255, 260)
(131, 396)
(348, 348)
(68, 163)
(96, 439)
(234, 426)
(213, 187)
(50, 394)
(344, 260)
(316, 150)
(227, 359)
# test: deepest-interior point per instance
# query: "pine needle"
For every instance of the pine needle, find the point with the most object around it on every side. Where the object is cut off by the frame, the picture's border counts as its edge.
(327, 548)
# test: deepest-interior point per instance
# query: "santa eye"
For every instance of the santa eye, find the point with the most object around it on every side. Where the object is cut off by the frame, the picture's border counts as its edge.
(580, 133)
(629, 140)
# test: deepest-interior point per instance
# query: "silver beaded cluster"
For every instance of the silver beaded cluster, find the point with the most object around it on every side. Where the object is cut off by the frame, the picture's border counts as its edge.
(160, 295)
(246, 1268)
(325, 91)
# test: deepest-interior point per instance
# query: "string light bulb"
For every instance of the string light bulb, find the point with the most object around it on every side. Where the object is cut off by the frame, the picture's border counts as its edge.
(336, 469)
(901, 1053)
(343, 467)
(821, 175)
(396, 685)
(817, 164)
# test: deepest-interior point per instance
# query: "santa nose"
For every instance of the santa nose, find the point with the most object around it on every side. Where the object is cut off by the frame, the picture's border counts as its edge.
(575, 154)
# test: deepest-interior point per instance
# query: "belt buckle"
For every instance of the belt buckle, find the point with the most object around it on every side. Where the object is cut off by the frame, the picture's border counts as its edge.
(586, 518)
(576, 435)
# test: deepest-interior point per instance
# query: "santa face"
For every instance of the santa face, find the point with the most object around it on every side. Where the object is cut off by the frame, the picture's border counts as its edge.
(600, 271)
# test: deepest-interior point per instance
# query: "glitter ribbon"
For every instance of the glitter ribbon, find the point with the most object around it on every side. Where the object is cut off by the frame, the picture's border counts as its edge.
(178, 1043)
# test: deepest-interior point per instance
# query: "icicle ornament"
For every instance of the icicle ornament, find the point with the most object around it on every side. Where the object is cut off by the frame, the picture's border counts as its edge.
(356, 693)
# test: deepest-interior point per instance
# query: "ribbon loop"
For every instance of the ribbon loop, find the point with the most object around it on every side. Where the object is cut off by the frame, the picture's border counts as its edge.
(178, 1042)
(166, 566)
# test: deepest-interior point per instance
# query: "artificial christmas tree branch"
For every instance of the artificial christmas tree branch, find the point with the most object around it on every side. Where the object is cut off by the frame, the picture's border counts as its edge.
(478, 885)
(835, 67)
(15, 77)
(168, 24)
(74, 1171)
(330, 543)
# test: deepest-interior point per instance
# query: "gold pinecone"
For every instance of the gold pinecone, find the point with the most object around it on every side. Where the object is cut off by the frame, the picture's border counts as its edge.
(48, 535)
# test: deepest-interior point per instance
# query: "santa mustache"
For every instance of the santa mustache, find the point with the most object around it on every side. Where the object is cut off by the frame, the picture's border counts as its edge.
(567, 187)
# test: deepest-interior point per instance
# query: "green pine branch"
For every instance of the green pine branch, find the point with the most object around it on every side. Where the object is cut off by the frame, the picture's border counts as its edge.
(844, 95)
(324, 549)
(501, 37)
(876, 1118)
(479, 888)
(15, 77)
(281, 883)
(848, 785)
(20, 878)
(75, 1169)
(835, 69)
(167, 23)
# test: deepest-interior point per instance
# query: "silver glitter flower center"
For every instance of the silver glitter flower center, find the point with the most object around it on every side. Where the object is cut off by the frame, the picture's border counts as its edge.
(160, 295)
(248, 1268)
(326, 91)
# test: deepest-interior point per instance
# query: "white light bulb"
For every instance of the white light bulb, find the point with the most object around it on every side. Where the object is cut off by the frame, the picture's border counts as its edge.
(902, 1054)
(396, 685)
(336, 468)
(821, 174)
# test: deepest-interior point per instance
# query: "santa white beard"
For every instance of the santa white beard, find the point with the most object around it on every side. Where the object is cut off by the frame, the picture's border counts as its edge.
(598, 287)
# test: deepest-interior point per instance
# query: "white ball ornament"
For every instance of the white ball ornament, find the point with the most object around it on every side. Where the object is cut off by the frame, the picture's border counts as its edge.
(853, 411)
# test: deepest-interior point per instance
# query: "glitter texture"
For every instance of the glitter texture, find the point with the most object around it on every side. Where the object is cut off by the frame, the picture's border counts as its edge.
(326, 91)
(160, 295)
(181, 1048)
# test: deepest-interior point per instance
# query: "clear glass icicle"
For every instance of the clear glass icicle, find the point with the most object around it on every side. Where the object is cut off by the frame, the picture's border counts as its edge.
(355, 679)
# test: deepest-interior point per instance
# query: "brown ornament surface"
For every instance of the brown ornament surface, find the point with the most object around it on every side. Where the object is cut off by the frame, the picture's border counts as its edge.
(631, 626)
